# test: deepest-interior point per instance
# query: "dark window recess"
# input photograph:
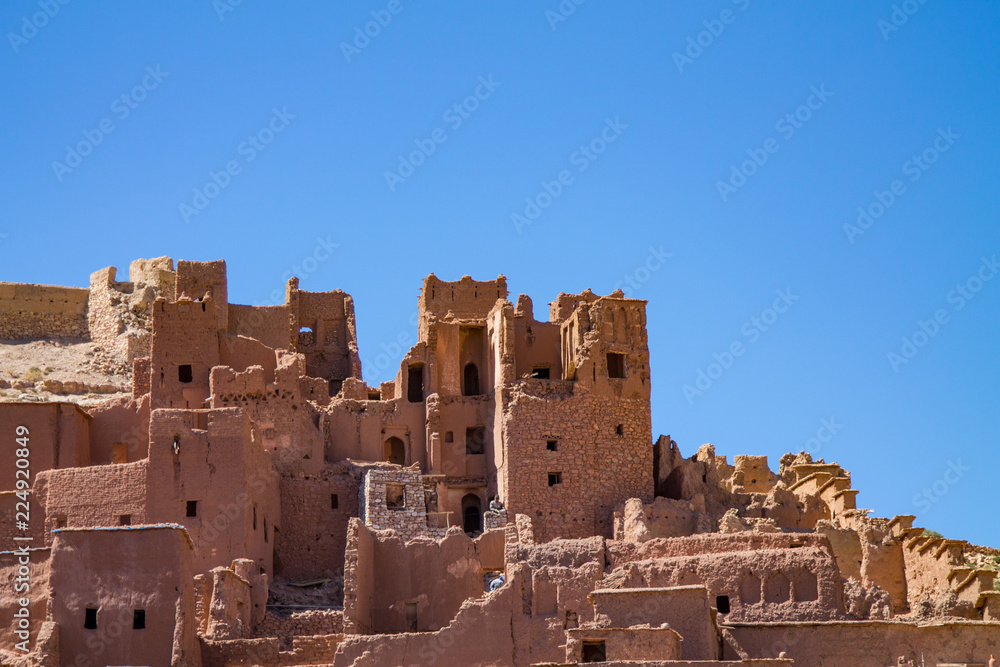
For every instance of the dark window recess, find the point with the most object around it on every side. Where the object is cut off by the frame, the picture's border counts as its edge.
(551, 445)
(722, 604)
(594, 651)
(415, 384)
(471, 377)
(395, 496)
(475, 440)
(192, 508)
(90, 619)
(620, 429)
(449, 436)
(265, 529)
(139, 619)
(255, 517)
(555, 478)
(540, 373)
(616, 365)
(334, 501)
(184, 373)
(125, 520)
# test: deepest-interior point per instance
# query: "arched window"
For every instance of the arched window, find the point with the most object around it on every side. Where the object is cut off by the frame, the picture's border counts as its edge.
(395, 452)
(470, 386)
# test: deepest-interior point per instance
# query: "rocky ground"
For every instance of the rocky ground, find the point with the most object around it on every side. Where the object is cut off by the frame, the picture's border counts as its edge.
(61, 370)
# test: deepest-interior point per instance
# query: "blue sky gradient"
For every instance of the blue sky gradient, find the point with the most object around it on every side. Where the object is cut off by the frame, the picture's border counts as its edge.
(300, 120)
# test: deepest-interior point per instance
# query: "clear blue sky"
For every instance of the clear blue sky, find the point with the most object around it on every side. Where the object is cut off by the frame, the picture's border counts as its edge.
(199, 79)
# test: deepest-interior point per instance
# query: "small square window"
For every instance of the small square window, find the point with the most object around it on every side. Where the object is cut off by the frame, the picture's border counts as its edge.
(395, 496)
(139, 619)
(184, 373)
(620, 429)
(90, 618)
(540, 373)
(61, 521)
(722, 604)
(192, 508)
(555, 478)
(593, 651)
(334, 501)
(551, 445)
(449, 436)
(616, 365)
(125, 520)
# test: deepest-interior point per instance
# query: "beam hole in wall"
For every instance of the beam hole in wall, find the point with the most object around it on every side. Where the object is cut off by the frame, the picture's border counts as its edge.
(620, 430)
(616, 365)
(593, 651)
(555, 478)
(184, 373)
(90, 618)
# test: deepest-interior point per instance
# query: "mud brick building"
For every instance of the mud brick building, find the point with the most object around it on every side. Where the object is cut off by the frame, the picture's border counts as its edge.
(252, 501)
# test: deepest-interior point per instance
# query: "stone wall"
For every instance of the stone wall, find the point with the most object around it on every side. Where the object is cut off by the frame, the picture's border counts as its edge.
(42, 311)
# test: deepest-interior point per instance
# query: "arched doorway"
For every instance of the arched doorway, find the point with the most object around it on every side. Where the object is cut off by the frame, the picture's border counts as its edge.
(472, 513)
(395, 452)
(470, 386)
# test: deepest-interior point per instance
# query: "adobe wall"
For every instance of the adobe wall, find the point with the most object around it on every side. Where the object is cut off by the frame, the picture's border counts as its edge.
(58, 437)
(598, 468)
(314, 533)
(185, 333)
(271, 325)
(282, 415)
(324, 330)
(384, 575)
(636, 645)
(226, 472)
(465, 299)
(358, 429)
(461, 642)
(118, 313)
(67, 497)
(117, 427)
(198, 279)
(870, 643)
(117, 571)
(15, 584)
(42, 311)
(536, 344)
